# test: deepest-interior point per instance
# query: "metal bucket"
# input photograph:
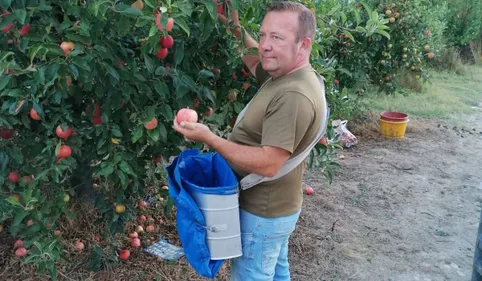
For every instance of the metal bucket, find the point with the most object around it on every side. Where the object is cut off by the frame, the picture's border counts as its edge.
(221, 213)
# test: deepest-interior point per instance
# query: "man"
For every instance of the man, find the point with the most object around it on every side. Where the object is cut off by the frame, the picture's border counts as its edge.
(281, 122)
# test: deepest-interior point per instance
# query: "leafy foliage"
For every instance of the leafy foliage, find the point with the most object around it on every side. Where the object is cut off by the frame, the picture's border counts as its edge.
(89, 90)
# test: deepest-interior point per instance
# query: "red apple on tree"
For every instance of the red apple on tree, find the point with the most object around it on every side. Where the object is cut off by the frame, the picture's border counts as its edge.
(63, 134)
(7, 27)
(67, 47)
(162, 53)
(170, 24)
(209, 112)
(14, 176)
(151, 125)
(24, 30)
(167, 42)
(64, 152)
(232, 96)
(34, 115)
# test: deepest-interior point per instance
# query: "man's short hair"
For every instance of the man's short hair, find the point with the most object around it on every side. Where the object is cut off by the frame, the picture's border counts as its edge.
(306, 18)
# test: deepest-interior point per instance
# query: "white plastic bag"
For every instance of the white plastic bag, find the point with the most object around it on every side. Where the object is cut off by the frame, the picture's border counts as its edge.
(346, 138)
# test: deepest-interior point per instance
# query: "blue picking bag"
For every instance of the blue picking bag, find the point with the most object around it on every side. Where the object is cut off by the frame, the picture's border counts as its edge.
(207, 173)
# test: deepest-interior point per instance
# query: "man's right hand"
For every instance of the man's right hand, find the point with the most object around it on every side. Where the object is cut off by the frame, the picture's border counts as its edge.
(235, 20)
(249, 60)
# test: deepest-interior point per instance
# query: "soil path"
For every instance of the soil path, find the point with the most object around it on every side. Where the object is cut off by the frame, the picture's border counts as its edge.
(398, 210)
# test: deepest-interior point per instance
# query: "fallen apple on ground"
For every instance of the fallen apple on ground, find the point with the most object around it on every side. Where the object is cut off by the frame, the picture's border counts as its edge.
(124, 254)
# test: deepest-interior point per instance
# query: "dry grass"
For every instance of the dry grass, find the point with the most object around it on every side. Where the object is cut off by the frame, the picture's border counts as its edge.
(139, 266)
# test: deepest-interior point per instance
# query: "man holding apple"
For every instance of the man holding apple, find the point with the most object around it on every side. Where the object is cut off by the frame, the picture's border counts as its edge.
(281, 121)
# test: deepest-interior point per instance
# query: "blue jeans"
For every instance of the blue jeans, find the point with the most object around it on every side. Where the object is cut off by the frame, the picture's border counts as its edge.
(265, 248)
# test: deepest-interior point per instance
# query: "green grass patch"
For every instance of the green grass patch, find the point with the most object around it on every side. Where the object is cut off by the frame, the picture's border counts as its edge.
(448, 97)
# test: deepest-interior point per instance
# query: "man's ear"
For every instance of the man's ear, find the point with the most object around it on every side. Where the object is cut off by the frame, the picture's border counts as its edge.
(306, 44)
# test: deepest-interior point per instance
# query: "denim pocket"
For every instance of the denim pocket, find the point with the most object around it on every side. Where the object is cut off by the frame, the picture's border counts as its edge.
(247, 244)
(272, 244)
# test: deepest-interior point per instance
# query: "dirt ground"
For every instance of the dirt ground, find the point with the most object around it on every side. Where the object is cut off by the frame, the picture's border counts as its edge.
(398, 210)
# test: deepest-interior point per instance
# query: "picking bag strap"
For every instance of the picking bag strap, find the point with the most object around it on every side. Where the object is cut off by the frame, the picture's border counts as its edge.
(254, 179)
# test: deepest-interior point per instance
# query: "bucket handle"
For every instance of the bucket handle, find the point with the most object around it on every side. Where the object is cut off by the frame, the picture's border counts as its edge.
(214, 228)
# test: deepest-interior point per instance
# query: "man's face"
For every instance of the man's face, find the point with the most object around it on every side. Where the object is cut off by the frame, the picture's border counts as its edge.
(278, 50)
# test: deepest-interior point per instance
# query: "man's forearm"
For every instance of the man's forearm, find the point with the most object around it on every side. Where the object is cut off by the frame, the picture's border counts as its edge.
(247, 158)
(250, 60)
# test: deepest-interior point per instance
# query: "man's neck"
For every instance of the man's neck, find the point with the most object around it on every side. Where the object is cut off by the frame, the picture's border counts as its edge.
(304, 64)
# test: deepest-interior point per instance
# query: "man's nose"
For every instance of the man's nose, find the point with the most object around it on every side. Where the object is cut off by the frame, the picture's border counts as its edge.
(265, 45)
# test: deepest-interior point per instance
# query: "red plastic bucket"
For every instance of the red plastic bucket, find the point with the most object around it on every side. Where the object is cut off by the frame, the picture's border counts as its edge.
(393, 116)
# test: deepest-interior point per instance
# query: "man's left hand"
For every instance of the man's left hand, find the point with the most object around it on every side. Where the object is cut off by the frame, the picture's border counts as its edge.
(197, 132)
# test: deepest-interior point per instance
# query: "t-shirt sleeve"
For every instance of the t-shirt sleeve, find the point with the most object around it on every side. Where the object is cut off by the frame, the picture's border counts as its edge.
(261, 74)
(288, 118)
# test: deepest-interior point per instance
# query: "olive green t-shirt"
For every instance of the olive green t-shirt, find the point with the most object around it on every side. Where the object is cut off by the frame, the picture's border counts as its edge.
(286, 113)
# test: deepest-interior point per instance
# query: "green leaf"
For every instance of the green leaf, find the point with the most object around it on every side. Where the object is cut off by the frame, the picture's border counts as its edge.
(343, 17)
(154, 134)
(40, 75)
(21, 15)
(106, 171)
(126, 168)
(17, 155)
(161, 71)
(15, 93)
(211, 8)
(122, 176)
(82, 63)
(162, 132)
(73, 69)
(6, 55)
(207, 26)
(235, 4)
(13, 201)
(149, 63)
(183, 26)
(4, 79)
(112, 71)
(206, 92)
(16, 221)
(6, 3)
(51, 73)
(127, 10)
(179, 54)
(41, 175)
(3, 161)
(116, 132)
(161, 88)
(185, 6)
(139, 77)
(167, 111)
(383, 32)
(137, 134)
(205, 74)
(357, 16)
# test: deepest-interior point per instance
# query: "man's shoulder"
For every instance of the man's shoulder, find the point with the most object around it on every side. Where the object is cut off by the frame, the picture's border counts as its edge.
(304, 82)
